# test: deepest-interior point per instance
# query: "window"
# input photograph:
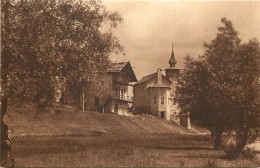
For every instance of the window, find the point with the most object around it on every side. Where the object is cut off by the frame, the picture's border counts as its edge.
(154, 100)
(162, 100)
(115, 93)
(122, 93)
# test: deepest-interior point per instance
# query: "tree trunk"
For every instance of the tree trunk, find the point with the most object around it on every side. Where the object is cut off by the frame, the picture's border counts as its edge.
(5, 139)
(241, 140)
(217, 138)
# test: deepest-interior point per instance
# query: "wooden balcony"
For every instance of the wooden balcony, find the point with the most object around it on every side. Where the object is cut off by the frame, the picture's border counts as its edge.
(121, 98)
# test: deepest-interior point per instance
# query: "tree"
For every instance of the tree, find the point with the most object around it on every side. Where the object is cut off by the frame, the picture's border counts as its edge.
(45, 39)
(194, 94)
(221, 88)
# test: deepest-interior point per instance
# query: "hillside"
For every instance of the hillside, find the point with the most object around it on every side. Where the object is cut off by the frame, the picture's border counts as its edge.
(144, 140)
(26, 121)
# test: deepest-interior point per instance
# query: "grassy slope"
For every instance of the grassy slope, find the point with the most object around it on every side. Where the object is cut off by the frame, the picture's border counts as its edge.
(25, 121)
(116, 141)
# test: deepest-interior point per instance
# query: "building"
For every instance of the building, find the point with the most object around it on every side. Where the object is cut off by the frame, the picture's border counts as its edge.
(113, 91)
(155, 93)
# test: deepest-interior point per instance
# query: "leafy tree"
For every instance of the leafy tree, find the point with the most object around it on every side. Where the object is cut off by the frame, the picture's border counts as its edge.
(42, 40)
(221, 88)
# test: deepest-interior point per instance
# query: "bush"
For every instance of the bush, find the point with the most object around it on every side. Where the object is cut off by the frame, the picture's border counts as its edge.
(141, 110)
(229, 146)
(248, 153)
(230, 151)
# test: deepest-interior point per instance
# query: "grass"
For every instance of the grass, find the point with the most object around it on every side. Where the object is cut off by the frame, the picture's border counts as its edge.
(73, 138)
(149, 150)
(26, 121)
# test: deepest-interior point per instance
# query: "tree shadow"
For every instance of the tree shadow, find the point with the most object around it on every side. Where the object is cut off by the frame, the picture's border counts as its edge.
(198, 151)
(180, 148)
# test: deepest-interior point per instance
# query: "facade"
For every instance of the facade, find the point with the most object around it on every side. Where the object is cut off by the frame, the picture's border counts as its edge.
(113, 91)
(155, 94)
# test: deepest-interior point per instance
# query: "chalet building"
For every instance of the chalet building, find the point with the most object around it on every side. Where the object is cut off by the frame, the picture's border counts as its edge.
(155, 94)
(114, 93)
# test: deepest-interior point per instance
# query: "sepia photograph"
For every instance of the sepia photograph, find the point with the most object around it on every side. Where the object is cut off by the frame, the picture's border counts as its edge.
(130, 83)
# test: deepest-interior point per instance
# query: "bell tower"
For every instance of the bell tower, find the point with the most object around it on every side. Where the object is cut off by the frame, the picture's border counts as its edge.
(172, 73)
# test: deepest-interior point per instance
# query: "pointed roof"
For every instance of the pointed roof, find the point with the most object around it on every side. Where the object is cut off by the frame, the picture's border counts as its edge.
(172, 60)
(124, 68)
(117, 66)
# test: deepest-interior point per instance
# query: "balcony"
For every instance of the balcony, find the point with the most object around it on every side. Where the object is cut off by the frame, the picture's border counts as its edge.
(121, 98)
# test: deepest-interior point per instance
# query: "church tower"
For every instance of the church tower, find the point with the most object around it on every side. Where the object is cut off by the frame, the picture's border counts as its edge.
(172, 73)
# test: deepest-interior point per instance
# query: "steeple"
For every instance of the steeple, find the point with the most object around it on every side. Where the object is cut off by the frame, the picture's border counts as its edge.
(172, 60)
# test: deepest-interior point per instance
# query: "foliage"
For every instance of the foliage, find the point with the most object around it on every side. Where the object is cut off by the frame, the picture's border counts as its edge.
(230, 148)
(249, 153)
(221, 88)
(42, 40)
(141, 110)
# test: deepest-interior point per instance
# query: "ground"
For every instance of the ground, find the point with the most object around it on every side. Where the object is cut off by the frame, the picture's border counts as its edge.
(79, 139)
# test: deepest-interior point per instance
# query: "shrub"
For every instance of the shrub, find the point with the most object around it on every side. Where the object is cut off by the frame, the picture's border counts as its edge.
(230, 148)
(141, 110)
(230, 151)
(248, 153)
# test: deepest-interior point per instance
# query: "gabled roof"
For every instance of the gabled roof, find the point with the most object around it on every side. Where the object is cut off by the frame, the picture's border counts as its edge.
(146, 78)
(117, 66)
(149, 77)
(123, 68)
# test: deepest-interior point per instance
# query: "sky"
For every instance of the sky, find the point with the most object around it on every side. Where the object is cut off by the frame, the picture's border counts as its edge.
(150, 27)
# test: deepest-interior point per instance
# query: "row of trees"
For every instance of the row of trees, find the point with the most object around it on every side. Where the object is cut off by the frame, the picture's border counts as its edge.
(221, 88)
(43, 40)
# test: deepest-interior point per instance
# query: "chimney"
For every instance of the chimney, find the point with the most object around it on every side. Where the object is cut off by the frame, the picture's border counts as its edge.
(159, 76)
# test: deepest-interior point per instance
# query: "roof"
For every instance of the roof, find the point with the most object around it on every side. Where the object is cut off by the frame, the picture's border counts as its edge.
(146, 78)
(123, 68)
(149, 77)
(117, 66)
(172, 60)
(158, 86)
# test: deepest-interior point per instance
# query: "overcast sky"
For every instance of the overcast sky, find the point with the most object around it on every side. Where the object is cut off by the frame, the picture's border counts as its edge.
(150, 27)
